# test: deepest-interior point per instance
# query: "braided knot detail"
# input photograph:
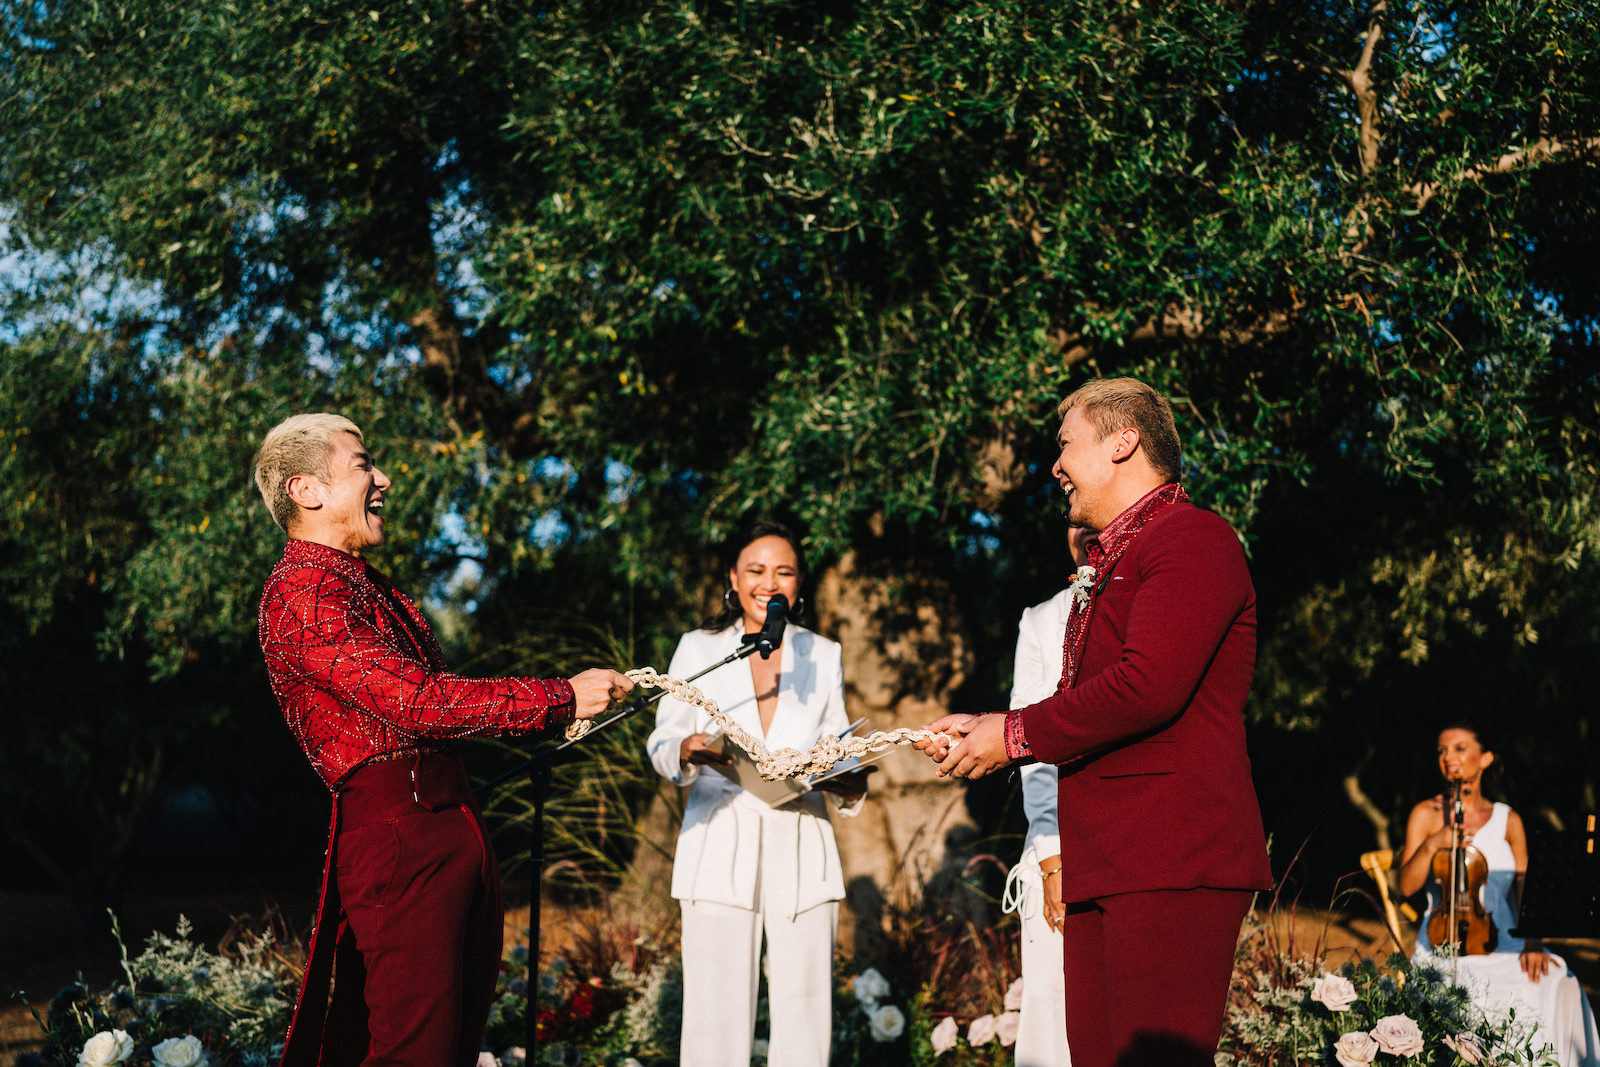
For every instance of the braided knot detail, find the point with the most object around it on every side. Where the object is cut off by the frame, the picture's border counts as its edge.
(822, 757)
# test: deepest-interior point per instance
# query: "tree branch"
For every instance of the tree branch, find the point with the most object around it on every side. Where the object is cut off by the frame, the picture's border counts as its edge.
(1359, 79)
(1178, 323)
(1544, 150)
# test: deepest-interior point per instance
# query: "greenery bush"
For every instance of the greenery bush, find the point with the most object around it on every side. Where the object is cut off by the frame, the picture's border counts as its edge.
(938, 991)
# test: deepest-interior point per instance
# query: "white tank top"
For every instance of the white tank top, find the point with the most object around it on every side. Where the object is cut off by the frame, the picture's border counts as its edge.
(1498, 888)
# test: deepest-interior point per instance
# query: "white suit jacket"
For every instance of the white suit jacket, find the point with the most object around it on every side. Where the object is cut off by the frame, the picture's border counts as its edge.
(1041, 636)
(731, 841)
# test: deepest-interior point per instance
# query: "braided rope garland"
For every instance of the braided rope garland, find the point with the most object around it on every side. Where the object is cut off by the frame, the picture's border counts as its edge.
(786, 762)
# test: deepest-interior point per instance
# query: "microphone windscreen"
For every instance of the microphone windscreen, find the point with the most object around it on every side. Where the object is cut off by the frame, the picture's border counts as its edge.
(772, 629)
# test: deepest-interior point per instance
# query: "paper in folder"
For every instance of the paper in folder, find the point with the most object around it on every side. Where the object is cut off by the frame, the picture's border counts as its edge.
(743, 773)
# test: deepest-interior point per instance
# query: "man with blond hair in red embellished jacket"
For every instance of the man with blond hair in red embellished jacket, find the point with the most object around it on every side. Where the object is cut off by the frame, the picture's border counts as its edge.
(1161, 835)
(410, 913)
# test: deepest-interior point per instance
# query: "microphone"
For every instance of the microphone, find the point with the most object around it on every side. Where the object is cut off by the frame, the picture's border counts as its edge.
(771, 635)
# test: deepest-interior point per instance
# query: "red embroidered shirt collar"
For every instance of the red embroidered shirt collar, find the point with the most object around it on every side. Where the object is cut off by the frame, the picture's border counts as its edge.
(1109, 544)
(1104, 550)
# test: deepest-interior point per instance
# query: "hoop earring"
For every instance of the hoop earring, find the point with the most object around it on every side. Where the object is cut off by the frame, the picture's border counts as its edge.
(729, 601)
(799, 606)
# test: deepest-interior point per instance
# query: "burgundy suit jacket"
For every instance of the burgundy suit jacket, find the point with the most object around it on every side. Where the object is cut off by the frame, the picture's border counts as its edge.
(1155, 788)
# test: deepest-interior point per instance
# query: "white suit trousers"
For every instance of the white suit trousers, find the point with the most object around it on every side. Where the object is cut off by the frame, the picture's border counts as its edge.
(1042, 1030)
(721, 967)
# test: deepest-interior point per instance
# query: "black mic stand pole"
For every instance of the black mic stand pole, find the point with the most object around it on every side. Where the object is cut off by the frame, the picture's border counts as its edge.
(538, 768)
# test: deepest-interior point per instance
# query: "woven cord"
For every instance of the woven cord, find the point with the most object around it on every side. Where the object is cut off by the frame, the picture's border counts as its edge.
(786, 762)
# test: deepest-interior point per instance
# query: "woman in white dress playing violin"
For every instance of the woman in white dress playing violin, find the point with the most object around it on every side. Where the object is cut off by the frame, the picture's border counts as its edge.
(1516, 973)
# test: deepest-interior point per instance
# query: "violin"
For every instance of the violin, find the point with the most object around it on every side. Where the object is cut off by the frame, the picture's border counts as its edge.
(1461, 871)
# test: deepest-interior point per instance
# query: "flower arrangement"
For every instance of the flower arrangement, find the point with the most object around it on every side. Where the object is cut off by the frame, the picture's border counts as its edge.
(179, 1005)
(1397, 1012)
(583, 1018)
(868, 1027)
(987, 1033)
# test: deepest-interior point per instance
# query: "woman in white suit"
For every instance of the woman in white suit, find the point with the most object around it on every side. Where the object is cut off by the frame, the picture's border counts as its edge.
(744, 869)
(1033, 889)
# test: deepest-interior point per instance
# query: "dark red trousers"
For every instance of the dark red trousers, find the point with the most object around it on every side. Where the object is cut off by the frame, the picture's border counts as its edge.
(1147, 976)
(420, 937)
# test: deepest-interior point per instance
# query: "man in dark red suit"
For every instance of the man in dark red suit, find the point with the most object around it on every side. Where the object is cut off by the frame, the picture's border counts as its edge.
(1161, 839)
(410, 915)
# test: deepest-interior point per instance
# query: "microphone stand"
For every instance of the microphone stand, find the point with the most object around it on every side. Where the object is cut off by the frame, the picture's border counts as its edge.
(1458, 874)
(538, 769)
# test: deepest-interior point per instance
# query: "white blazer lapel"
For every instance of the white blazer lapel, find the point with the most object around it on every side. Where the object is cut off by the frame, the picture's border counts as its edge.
(735, 684)
(795, 724)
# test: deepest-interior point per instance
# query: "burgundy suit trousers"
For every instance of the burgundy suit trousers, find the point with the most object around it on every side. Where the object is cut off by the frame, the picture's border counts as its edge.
(1147, 976)
(419, 944)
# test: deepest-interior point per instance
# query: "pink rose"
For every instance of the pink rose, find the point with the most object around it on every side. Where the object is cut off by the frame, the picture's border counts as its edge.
(1334, 992)
(1005, 1027)
(943, 1037)
(981, 1030)
(1467, 1046)
(1398, 1035)
(1014, 996)
(1355, 1049)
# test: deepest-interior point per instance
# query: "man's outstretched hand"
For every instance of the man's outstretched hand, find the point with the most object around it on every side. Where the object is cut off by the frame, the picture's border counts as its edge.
(597, 688)
(978, 748)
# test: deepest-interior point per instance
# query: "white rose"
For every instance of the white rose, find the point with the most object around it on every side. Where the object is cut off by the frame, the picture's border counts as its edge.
(106, 1048)
(1014, 996)
(183, 1051)
(943, 1036)
(1334, 992)
(1467, 1046)
(1006, 1026)
(887, 1023)
(981, 1030)
(870, 986)
(1355, 1049)
(1398, 1035)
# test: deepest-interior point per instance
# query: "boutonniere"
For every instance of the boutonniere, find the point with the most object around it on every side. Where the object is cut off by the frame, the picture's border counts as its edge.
(1082, 586)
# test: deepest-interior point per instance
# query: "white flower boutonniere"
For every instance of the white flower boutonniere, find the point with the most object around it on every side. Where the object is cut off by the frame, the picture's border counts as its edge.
(1082, 586)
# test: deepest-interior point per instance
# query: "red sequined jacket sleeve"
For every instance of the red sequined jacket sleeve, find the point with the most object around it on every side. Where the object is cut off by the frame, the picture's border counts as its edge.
(358, 673)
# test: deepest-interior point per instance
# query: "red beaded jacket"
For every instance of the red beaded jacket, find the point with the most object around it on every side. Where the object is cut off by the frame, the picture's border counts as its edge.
(358, 673)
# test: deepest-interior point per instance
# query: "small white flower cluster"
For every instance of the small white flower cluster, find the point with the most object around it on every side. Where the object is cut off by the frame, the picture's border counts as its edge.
(884, 1021)
(111, 1047)
(985, 1028)
(1082, 586)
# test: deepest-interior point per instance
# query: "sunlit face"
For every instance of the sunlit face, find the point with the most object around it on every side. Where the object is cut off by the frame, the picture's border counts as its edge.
(766, 566)
(351, 515)
(1462, 756)
(1085, 469)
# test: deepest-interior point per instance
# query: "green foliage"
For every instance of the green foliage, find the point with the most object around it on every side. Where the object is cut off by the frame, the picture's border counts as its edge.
(237, 1002)
(1283, 1021)
(602, 282)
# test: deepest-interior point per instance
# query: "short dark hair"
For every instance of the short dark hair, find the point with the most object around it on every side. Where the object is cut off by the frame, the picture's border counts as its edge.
(1470, 726)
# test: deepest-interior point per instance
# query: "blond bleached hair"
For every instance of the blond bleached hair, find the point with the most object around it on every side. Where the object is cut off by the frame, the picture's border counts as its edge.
(1112, 404)
(300, 444)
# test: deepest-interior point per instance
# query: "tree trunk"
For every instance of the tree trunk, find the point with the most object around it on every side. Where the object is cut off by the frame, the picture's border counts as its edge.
(902, 661)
